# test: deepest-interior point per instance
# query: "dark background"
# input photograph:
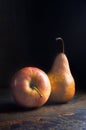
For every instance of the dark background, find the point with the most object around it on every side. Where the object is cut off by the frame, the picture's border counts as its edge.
(27, 36)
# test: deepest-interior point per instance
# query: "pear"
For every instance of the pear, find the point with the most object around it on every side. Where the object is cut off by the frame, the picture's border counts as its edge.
(61, 78)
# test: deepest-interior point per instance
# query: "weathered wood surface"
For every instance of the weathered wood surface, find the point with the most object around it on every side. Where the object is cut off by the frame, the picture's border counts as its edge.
(69, 116)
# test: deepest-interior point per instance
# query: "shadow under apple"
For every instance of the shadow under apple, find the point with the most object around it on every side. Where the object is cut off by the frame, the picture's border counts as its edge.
(12, 107)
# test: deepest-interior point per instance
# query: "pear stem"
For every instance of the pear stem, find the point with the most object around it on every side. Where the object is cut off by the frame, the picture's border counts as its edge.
(59, 38)
(38, 91)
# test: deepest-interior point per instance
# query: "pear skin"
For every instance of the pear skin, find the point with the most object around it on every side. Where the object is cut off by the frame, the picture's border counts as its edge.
(61, 79)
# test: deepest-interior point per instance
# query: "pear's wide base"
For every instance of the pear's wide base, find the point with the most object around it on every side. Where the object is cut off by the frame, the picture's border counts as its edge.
(62, 87)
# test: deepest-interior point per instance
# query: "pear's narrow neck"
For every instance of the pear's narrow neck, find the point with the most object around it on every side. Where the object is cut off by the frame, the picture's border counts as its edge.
(60, 64)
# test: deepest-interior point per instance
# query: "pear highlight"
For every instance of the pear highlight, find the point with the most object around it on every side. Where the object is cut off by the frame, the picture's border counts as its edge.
(61, 78)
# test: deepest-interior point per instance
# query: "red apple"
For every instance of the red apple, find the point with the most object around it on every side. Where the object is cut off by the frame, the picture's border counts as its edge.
(30, 87)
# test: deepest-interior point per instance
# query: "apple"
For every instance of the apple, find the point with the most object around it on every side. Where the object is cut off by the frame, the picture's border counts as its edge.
(30, 87)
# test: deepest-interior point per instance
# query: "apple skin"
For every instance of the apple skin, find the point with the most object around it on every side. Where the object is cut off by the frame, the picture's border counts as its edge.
(23, 85)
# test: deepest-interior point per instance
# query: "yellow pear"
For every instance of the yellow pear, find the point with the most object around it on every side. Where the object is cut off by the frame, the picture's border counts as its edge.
(61, 79)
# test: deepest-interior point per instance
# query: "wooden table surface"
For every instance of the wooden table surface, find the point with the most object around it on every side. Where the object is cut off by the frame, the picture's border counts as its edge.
(69, 116)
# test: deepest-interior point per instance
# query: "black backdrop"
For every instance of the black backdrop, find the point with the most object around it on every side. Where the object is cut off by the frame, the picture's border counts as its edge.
(28, 30)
